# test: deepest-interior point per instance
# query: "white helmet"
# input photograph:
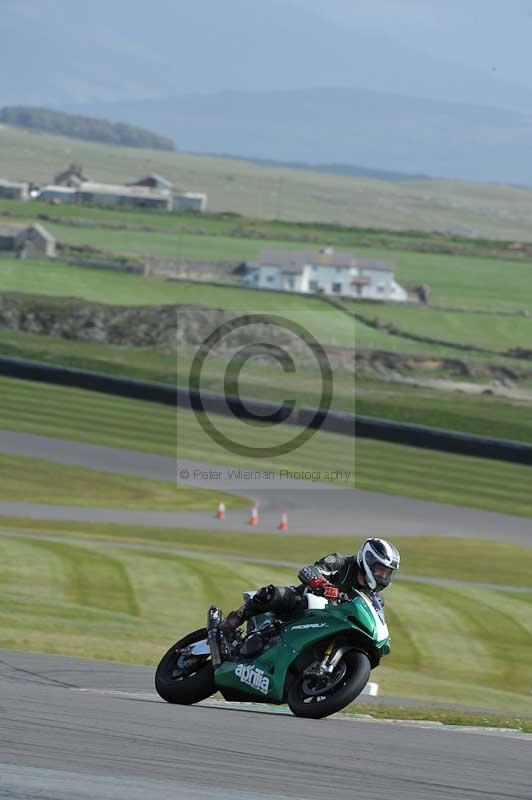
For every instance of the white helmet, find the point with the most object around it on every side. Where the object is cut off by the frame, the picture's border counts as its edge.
(378, 560)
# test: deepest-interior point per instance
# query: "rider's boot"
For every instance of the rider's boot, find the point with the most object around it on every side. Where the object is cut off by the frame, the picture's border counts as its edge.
(280, 600)
(235, 619)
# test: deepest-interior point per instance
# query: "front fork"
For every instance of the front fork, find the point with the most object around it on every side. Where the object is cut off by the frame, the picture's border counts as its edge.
(330, 659)
(214, 617)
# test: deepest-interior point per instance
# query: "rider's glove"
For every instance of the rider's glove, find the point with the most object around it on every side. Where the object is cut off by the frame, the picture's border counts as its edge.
(322, 586)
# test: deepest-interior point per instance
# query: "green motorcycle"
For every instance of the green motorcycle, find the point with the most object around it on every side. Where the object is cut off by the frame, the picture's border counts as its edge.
(317, 663)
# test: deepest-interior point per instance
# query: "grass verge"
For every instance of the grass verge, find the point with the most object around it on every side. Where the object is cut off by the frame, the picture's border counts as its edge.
(468, 560)
(40, 481)
(446, 717)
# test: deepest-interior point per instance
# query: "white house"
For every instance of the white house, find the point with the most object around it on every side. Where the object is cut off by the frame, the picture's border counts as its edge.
(325, 272)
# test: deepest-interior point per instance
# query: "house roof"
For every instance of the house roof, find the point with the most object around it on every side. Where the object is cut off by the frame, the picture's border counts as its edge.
(16, 228)
(374, 263)
(163, 183)
(43, 232)
(74, 171)
(296, 260)
(12, 229)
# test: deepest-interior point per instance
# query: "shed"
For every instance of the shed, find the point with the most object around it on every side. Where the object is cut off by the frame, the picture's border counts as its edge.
(27, 241)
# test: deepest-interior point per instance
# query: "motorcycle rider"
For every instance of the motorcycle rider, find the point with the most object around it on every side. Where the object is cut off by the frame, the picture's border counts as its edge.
(333, 576)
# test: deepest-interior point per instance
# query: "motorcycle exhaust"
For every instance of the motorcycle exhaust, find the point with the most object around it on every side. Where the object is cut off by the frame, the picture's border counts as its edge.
(214, 617)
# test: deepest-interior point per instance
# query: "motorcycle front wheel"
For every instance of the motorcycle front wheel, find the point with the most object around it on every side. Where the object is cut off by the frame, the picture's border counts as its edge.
(185, 680)
(315, 697)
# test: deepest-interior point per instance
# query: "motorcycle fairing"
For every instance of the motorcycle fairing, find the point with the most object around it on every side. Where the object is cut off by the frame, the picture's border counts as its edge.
(264, 678)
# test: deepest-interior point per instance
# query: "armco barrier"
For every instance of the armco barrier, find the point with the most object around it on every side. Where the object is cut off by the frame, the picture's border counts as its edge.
(439, 439)
(215, 402)
(94, 381)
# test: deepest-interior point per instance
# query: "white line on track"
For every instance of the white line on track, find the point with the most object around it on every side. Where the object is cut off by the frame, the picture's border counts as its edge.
(262, 708)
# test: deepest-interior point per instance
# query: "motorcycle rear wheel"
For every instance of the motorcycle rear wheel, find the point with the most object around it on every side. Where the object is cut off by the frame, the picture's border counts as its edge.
(188, 684)
(354, 668)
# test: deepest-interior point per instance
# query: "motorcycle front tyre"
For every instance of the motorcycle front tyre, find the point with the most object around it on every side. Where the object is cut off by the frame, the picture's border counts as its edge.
(189, 688)
(356, 676)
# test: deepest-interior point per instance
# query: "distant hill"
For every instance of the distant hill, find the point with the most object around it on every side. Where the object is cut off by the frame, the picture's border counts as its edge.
(87, 128)
(350, 170)
(265, 80)
(379, 130)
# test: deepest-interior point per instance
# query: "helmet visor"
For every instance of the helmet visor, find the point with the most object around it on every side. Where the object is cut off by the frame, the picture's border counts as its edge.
(382, 574)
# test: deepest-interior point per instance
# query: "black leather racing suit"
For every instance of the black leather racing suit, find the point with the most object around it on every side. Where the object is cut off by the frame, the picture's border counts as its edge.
(341, 571)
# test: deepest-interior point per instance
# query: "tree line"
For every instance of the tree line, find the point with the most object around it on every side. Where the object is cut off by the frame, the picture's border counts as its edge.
(86, 128)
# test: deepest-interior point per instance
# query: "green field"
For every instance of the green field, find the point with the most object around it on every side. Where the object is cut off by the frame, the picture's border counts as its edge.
(483, 415)
(379, 466)
(490, 331)
(476, 210)
(330, 325)
(460, 560)
(39, 481)
(249, 227)
(455, 280)
(449, 645)
(172, 245)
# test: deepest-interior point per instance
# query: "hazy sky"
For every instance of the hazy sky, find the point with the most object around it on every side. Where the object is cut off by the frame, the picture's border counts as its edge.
(484, 34)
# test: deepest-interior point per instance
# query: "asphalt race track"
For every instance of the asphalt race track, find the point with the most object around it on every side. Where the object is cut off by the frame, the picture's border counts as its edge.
(313, 508)
(60, 743)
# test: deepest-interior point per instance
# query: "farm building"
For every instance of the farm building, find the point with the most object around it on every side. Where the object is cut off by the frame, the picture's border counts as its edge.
(190, 201)
(181, 200)
(58, 194)
(11, 190)
(26, 241)
(325, 272)
(106, 194)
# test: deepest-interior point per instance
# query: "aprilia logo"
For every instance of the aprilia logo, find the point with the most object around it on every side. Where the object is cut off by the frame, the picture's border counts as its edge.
(253, 677)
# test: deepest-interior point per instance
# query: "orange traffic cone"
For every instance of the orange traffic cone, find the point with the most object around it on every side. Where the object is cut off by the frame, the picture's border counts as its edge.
(254, 518)
(283, 525)
(220, 514)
